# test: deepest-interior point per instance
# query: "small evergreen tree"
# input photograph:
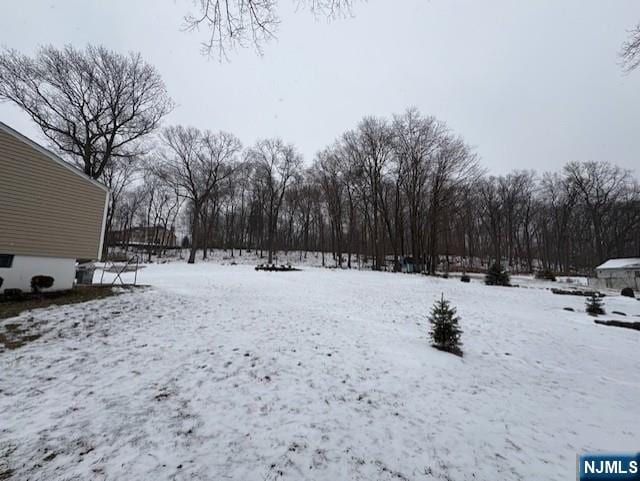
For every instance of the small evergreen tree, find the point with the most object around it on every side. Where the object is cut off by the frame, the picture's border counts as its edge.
(595, 306)
(445, 331)
(496, 276)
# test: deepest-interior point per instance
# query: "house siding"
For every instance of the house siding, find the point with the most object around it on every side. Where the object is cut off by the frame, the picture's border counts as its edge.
(616, 279)
(46, 209)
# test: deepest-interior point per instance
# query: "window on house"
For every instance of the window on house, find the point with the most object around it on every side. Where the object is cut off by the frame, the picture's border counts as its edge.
(6, 260)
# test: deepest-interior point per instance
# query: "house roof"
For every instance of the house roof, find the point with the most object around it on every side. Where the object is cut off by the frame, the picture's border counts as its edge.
(4, 127)
(628, 263)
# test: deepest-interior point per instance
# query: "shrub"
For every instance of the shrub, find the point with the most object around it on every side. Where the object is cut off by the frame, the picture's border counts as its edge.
(12, 294)
(627, 292)
(496, 276)
(41, 282)
(445, 331)
(546, 275)
(465, 278)
(594, 304)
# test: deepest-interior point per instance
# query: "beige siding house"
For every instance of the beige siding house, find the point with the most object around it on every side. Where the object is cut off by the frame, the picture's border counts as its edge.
(51, 214)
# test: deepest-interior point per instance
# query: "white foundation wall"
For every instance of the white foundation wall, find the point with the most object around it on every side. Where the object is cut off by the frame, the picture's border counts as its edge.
(19, 275)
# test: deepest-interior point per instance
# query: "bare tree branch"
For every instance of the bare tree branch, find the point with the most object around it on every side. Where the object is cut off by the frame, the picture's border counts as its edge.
(630, 52)
(238, 23)
(194, 163)
(94, 104)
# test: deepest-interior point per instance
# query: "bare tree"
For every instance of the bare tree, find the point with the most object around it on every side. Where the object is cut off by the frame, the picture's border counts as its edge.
(416, 139)
(600, 186)
(94, 105)
(128, 209)
(276, 165)
(371, 149)
(329, 175)
(453, 166)
(410, 187)
(162, 203)
(236, 23)
(557, 210)
(117, 175)
(194, 163)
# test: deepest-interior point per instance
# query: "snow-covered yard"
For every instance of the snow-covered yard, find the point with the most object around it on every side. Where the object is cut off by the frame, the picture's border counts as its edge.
(220, 372)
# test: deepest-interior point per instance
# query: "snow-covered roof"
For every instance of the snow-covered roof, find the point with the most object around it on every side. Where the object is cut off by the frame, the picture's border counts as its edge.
(630, 263)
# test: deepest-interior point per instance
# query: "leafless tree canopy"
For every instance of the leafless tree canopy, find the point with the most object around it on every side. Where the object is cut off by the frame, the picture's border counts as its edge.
(276, 166)
(630, 53)
(387, 192)
(194, 163)
(94, 105)
(238, 23)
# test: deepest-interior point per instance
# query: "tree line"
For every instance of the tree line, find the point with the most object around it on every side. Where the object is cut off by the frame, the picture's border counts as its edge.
(391, 192)
(388, 192)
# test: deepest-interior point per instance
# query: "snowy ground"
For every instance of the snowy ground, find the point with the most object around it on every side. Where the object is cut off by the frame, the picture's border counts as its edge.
(221, 372)
(244, 257)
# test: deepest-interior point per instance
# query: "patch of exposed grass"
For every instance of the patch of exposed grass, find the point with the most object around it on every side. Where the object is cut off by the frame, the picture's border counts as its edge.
(14, 335)
(14, 307)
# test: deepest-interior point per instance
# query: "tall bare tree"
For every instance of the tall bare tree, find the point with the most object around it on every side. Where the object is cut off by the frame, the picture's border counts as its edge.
(195, 162)
(276, 164)
(94, 105)
(330, 176)
(454, 165)
(600, 186)
(117, 175)
(371, 148)
(416, 140)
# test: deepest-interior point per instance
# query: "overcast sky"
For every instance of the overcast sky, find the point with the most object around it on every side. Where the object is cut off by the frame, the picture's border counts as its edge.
(530, 84)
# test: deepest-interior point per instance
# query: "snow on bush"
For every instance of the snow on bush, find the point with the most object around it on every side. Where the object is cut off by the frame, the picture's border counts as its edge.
(496, 276)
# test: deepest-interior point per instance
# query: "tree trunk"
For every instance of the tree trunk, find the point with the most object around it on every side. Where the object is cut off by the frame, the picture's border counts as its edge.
(194, 234)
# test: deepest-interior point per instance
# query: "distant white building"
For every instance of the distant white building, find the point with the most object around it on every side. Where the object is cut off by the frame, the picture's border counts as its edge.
(617, 274)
